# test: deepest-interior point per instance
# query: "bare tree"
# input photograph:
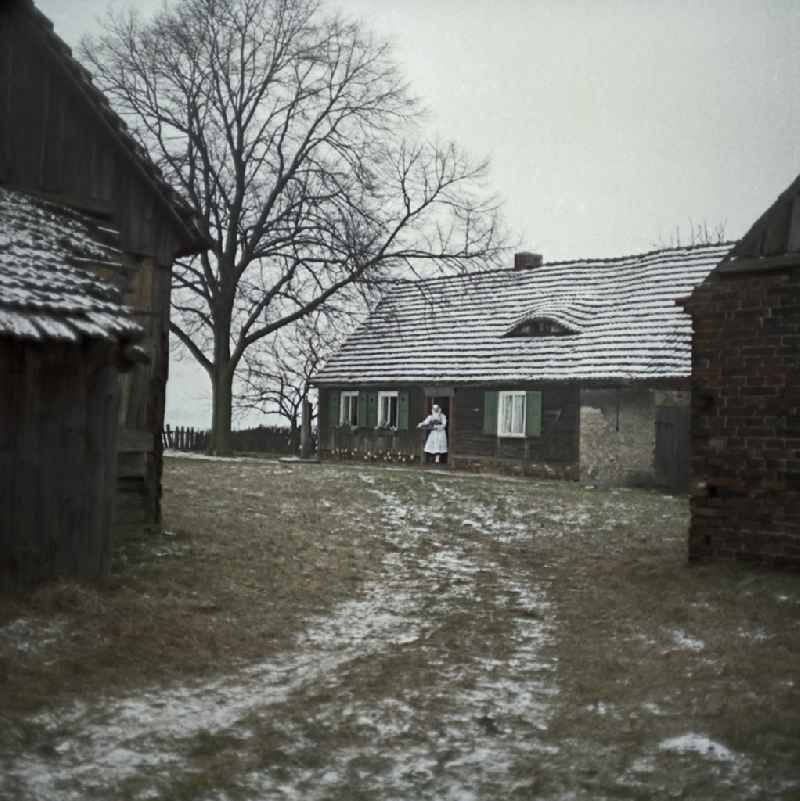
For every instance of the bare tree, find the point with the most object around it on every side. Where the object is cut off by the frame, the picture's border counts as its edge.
(278, 372)
(695, 234)
(293, 134)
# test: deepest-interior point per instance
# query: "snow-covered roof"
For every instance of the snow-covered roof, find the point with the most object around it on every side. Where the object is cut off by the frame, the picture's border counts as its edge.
(452, 330)
(47, 289)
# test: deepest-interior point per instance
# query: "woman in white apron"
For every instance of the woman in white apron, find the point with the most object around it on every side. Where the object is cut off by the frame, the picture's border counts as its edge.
(436, 423)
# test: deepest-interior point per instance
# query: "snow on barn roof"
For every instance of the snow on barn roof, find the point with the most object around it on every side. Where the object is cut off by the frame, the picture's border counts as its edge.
(621, 313)
(45, 292)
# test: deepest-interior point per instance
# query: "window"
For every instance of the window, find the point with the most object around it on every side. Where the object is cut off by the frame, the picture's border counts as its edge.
(511, 414)
(387, 409)
(348, 409)
(540, 327)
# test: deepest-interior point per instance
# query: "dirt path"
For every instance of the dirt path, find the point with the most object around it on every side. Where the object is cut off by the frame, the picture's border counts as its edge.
(425, 686)
(345, 634)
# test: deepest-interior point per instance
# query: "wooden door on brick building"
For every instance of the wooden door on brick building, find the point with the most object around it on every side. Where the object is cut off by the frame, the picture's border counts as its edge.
(672, 447)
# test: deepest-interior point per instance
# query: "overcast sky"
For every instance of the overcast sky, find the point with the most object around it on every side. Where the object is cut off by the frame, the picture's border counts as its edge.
(607, 124)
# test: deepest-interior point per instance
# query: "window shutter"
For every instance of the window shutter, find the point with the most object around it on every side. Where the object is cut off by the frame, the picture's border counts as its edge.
(362, 408)
(490, 413)
(402, 411)
(533, 414)
(372, 409)
(333, 408)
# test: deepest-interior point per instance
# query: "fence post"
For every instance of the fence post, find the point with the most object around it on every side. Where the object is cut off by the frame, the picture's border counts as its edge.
(305, 430)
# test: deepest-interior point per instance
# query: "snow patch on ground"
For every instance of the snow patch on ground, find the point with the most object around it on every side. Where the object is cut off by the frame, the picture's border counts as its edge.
(205, 457)
(683, 640)
(698, 744)
(32, 636)
(757, 635)
(492, 709)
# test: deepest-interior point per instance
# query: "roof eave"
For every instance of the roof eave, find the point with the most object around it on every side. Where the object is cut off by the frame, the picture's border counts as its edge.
(195, 240)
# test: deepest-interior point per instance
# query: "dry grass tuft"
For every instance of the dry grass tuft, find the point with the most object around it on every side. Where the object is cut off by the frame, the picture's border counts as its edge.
(69, 597)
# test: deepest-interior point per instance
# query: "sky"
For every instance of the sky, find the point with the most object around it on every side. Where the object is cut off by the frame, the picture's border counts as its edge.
(608, 124)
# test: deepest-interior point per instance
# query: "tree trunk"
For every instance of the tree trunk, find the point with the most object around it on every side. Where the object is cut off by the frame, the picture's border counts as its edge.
(222, 388)
(222, 405)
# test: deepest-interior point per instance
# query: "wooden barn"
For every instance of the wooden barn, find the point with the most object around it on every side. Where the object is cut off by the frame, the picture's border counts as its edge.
(745, 501)
(574, 369)
(61, 143)
(64, 338)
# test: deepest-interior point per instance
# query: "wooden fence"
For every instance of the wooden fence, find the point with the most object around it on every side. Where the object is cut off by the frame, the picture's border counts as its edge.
(184, 438)
(262, 439)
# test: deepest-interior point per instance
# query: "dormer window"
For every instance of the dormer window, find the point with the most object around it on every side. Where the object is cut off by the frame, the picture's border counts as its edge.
(538, 327)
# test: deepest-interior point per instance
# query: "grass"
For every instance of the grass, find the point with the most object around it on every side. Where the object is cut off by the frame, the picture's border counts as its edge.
(373, 633)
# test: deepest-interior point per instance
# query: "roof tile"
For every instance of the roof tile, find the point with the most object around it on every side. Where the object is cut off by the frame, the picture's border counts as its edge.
(43, 294)
(452, 329)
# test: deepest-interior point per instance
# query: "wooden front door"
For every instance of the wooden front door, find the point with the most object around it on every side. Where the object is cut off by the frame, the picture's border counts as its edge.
(672, 447)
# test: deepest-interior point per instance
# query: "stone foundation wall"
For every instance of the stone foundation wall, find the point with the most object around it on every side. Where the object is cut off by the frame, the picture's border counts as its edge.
(745, 501)
(618, 436)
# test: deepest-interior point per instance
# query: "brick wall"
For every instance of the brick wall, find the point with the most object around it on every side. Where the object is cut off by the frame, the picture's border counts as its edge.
(745, 501)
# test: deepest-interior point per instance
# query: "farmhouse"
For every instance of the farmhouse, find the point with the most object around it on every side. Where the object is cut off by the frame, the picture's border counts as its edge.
(89, 232)
(745, 499)
(572, 369)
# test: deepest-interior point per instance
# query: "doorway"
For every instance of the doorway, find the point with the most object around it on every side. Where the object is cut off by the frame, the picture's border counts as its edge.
(443, 401)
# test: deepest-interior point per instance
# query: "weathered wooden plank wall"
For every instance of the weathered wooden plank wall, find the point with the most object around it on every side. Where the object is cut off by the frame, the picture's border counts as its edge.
(58, 138)
(57, 458)
(52, 141)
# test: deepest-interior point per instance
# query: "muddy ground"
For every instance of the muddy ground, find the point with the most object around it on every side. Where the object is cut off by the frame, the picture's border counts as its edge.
(328, 632)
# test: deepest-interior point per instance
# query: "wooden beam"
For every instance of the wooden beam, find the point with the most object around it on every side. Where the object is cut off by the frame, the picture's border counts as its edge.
(758, 265)
(135, 440)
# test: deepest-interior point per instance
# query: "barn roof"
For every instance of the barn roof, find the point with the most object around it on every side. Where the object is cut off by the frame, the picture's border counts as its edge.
(47, 289)
(183, 215)
(776, 232)
(622, 313)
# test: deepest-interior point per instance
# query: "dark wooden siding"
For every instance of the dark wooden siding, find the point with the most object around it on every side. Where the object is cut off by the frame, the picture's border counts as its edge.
(365, 439)
(58, 429)
(558, 445)
(53, 142)
(672, 447)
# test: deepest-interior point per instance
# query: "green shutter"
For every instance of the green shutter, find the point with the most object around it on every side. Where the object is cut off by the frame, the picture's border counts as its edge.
(402, 411)
(490, 413)
(372, 409)
(362, 408)
(333, 408)
(533, 414)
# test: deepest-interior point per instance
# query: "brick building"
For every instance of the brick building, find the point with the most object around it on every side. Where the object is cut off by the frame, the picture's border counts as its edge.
(745, 501)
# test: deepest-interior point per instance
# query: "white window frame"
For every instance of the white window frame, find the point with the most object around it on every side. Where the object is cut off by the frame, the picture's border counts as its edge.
(352, 397)
(388, 423)
(501, 397)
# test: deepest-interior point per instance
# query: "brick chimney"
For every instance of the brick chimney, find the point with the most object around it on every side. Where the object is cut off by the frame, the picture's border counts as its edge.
(527, 261)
